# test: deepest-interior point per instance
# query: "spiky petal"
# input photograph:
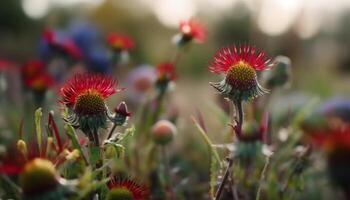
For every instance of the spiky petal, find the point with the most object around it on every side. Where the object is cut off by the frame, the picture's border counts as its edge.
(130, 187)
(228, 57)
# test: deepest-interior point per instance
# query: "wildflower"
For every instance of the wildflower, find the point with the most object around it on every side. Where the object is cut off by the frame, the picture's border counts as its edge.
(166, 71)
(37, 79)
(84, 95)
(332, 114)
(239, 64)
(38, 177)
(336, 144)
(126, 189)
(163, 132)
(191, 30)
(40, 83)
(32, 68)
(120, 42)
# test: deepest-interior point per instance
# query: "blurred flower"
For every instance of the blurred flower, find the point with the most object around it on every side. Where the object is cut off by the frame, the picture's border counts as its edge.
(165, 74)
(336, 143)
(38, 176)
(85, 95)
(191, 30)
(36, 78)
(40, 83)
(22, 153)
(120, 42)
(88, 38)
(52, 45)
(331, 114)
(280, 75)
(166, 71)
(332, 140)
(120, 45)
(239, 64)
(163, 132)
(140, 80)
(126, 189)
(32, 68)
(98, 61)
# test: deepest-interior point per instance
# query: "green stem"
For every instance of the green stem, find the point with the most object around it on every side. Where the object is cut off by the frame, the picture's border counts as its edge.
(230, 159)
(111, 131)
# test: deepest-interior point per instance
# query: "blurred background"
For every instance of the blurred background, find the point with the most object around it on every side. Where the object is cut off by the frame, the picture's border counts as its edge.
(314, 34)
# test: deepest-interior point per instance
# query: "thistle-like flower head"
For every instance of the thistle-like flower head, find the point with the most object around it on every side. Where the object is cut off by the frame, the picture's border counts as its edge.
(85, 95)
(239, 64)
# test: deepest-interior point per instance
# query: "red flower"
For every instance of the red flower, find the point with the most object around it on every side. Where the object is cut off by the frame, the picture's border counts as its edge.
(83, 84)
(85, 95)
(128, 189)
(21, 154)
(338, 138)
(193, 30)
(32, 68)
(40, 83)
(239, 64)
(120, 42)
(166, 71)
(229, 57)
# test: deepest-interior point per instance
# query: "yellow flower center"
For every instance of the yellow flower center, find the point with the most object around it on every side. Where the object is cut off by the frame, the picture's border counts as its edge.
(90, 103)
(121, 193)
(241, 76)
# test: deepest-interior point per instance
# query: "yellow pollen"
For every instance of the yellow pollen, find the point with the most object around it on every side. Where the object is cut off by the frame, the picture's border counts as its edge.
(241, 76)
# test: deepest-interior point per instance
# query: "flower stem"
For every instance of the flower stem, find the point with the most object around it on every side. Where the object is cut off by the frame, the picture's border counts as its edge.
(262, 176)
(111, 131)
(230, 159)
(224, 179)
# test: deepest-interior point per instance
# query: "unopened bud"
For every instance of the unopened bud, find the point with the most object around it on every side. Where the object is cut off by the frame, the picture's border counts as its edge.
(163, 132)
(22, 147)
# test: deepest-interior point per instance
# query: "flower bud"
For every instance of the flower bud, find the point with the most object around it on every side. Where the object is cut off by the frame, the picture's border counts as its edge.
(280, 75)
(22, 147)
(163, 132)
(121, 114)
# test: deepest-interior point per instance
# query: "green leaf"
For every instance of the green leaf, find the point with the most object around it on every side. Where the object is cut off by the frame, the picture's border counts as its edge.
(215, 162)
(37, 119)
(127, 133)
(73, 137)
